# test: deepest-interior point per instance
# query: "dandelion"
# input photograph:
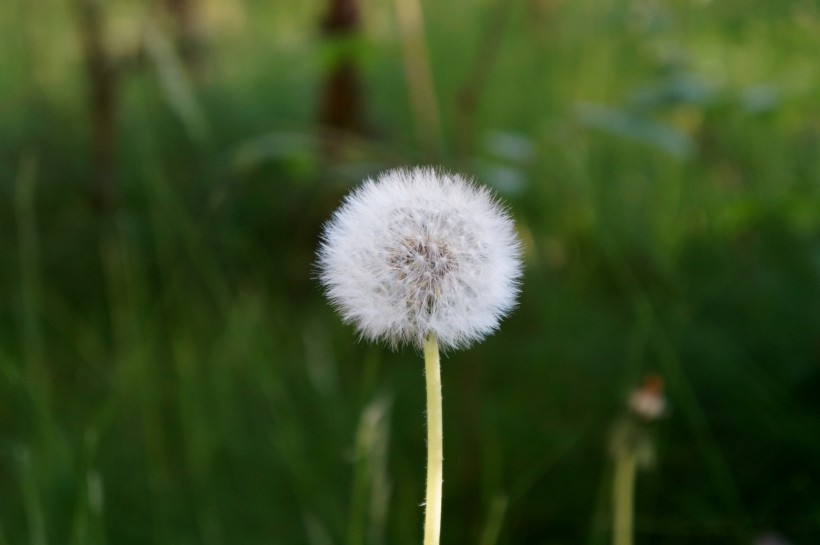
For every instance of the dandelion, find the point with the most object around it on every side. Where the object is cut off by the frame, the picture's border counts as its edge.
(632, 447)
(424, 258)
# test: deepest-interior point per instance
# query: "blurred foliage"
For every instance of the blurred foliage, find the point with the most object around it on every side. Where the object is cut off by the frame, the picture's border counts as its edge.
(170, 373)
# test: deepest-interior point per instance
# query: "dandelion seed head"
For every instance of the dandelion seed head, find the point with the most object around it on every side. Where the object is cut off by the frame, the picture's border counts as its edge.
(420, 251)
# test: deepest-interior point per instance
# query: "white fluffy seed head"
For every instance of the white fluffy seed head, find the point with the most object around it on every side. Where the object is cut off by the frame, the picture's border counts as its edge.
(421, 251)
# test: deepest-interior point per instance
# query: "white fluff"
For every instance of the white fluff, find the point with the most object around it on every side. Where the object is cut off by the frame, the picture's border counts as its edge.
(421, 251)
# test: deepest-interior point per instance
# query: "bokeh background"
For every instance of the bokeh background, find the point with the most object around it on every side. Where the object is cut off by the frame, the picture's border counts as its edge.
(170, 372)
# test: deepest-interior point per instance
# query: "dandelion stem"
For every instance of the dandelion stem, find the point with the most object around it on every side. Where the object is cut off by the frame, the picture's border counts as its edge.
(435, 442)
(623, 493)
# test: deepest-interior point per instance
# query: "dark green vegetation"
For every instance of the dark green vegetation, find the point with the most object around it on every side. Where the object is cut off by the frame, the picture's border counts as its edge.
(170, 373)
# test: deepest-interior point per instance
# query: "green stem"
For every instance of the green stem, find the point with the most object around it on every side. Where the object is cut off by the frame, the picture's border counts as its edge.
(435, 442)
(623, 495)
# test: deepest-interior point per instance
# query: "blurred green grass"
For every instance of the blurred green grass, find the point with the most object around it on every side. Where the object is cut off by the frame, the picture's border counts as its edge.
(171, 373)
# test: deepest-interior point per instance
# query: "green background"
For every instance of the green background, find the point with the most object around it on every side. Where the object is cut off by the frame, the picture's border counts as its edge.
(170, 372)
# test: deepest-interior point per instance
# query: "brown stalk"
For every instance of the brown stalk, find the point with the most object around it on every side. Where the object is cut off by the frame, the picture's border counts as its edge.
(103, 76)
(190, 35)
(342, 104)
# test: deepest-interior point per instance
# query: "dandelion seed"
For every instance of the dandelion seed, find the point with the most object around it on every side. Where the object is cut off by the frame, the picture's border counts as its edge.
(421, 251)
